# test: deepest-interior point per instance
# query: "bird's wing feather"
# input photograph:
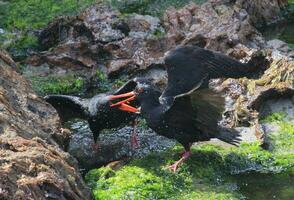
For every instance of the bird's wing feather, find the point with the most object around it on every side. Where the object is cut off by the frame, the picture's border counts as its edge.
(186, 66)
(195, 116)
(208, 107)
(69, 107)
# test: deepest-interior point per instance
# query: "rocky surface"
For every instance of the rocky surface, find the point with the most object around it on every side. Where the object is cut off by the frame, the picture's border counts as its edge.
(113, 144)
(280, 46)
(101, 37)
(221, 25)
(32, 162)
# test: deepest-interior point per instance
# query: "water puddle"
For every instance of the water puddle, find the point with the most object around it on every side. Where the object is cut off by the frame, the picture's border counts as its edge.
(283, 31)
(258, 186)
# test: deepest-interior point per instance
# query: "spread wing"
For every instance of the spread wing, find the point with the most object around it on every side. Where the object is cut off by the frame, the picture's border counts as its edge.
(188, 66)
(69, 107)
(201, 110)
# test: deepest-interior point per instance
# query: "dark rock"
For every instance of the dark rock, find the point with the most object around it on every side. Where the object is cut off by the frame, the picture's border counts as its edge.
(270, 93)
(262, 12)
(76, 54)
(61, 30)
(283, 105)
(114, 145)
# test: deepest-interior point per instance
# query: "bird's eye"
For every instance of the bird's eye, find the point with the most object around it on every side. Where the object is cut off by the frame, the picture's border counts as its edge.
(140, 90)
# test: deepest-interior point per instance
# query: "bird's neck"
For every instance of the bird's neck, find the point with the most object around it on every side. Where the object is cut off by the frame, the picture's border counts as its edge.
(150, 104)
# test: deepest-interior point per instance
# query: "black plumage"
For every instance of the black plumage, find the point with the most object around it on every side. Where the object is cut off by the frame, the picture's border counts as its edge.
(187, 110)
(96, 110)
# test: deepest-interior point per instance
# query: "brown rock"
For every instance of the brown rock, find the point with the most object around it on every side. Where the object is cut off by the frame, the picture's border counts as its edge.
(215, 25)
(63, 29)
(32, 164)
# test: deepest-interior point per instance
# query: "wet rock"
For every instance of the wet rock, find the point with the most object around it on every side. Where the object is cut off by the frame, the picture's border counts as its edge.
(272, 94)
(126, 45)
(143, 26)
(77, 41)
(215, 25)
(280, 46)
(100, 35)
(113, 145)
(76, 54)
(262, 12)
(280, 105)
(283, 105)
(139, 54)
(61, 30)
(32, 162)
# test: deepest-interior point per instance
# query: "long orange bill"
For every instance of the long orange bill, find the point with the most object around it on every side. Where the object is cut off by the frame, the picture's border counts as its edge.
(123, 101)
(128, 108)
(129, 94)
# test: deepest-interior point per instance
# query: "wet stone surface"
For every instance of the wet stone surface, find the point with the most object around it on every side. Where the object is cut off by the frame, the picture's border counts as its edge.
(114, 145)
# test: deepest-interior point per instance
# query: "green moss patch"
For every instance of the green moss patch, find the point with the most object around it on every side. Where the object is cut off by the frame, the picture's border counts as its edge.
(68, 84)
(33, 14)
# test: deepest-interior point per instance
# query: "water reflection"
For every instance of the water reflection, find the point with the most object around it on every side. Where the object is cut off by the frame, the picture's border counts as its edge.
(258, 186)
(283, 31)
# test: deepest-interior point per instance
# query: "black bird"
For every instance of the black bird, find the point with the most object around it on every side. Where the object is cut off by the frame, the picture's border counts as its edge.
(97, 110)
(187, 110)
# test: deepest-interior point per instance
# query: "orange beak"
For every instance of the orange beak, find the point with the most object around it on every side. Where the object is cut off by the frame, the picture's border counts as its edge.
(123, 105)
(129, 94)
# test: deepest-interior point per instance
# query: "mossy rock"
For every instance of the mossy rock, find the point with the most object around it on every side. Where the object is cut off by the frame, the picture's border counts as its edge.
(21, 18)
(209, 173)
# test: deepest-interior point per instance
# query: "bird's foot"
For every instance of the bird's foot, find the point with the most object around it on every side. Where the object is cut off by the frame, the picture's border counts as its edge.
(184, 157)
(134, 141)
(174, 166)
(96, 147)
(134, 138)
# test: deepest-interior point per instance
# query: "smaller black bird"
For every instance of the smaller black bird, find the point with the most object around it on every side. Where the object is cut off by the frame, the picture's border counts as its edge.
(100, 111)
(188, 110)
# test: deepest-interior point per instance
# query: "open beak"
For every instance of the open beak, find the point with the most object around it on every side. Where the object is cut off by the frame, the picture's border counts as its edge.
(128, 94)
(123, 105)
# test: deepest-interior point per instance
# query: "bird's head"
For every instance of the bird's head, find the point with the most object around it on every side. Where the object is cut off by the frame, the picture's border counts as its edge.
(143, 92)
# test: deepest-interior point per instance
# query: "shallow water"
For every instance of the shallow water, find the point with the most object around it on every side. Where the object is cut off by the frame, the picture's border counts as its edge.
(283, 31)
(258, 186)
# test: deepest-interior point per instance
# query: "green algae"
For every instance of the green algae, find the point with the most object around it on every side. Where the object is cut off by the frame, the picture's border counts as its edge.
(67, 84)
(212, 172)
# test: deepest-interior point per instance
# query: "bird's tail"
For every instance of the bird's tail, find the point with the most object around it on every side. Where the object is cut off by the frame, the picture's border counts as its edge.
(68, 107)
(229, 135)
